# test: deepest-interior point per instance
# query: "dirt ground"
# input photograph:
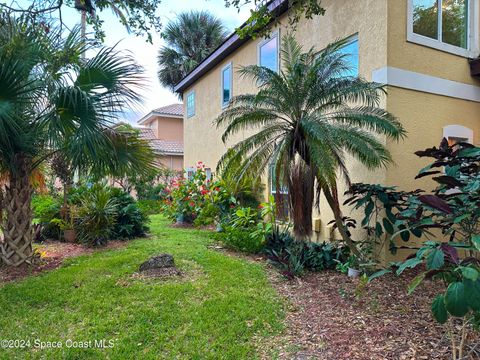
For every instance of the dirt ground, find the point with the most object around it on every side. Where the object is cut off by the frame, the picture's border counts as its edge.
(332, 316)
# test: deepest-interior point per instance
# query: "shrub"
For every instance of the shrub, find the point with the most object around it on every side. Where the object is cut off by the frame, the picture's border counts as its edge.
(130, 221)
(187, 197)
(292, 257)
(241, 239)
(47, 210)
(452, 207)
(153, 186)
(98, 214)
(219, 205)
(42, 204)
(150, 207)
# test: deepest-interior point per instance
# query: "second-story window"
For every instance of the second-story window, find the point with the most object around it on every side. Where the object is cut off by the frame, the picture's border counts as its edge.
(447, 25)
(268, 52)
(191, 104)
(226, 84)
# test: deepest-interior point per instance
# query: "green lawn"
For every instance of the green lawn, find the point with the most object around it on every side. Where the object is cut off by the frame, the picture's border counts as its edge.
(216, 312)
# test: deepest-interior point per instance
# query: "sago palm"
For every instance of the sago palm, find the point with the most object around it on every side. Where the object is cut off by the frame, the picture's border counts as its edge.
(305, 120)
(189, 39)
(52, 102)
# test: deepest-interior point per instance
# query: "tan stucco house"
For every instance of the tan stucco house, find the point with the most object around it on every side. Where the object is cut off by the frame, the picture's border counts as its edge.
(431, 87)
(163, 129)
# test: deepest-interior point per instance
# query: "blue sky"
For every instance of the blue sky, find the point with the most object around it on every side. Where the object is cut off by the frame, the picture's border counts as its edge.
(146, 53)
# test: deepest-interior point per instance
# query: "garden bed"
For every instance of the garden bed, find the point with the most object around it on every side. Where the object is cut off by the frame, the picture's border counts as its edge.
(330, 317)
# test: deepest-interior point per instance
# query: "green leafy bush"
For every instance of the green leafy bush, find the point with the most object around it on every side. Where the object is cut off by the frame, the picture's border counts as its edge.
(42, 204)
(452, 257)
(292, 257)
(130, 221)
(150, 207)
(98, 214)
(45, 214)
(187, 197)
(241, 239)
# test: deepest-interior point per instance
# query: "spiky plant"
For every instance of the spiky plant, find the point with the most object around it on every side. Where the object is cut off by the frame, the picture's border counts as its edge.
(52, 102)
(305, 120)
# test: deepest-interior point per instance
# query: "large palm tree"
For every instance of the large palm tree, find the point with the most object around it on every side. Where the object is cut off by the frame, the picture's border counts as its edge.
(307, 118)
(52, 102)
(189, 39)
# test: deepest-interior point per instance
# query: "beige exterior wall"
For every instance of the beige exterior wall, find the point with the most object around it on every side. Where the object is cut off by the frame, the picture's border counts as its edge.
(174, 162)
(381, 26)
(407, 55)
(167, 128)
(423, 114)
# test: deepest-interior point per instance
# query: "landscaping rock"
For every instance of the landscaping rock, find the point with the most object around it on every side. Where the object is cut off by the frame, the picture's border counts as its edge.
(158, 262)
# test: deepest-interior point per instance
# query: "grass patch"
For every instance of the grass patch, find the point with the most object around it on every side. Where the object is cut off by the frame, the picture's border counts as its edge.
(215, 314)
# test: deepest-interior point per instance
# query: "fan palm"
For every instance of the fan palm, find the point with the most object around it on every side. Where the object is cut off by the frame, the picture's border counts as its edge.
(307, 118)
(189, 40)
(52, 102)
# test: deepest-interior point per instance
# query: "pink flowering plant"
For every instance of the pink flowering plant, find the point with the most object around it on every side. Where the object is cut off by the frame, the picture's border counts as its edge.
(187, 196)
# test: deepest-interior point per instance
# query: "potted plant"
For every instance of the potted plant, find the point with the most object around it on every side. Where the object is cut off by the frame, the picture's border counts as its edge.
(351, 267)
(69, 233)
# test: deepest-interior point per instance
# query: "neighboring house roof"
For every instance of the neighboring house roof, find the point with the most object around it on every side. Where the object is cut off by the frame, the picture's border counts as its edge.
(173, 110)
(160, 146)
(229, 45)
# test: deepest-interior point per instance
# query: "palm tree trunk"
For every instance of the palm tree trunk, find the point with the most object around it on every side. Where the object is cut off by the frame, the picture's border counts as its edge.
(17, 225)
(337, 214)
(301, 197)
(83, 30)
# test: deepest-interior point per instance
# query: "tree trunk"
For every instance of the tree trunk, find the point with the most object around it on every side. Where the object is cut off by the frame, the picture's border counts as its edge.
(17, 227)
(83, 29)
(337, 214)
(301, 197)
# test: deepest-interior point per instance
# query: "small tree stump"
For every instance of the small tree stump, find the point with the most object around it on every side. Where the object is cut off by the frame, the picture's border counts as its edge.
(161, 261)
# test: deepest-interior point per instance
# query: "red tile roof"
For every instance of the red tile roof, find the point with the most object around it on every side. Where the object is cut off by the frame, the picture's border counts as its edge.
(173, 109)
(161, 146)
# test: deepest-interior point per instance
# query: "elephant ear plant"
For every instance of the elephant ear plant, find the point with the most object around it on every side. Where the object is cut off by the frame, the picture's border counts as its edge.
(452, 209)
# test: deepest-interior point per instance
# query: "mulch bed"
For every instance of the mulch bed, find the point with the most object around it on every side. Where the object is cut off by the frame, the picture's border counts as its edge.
(330, 316)
(52, 255)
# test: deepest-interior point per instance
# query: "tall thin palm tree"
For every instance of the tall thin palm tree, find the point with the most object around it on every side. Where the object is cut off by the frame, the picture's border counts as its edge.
(189, 39)
(52, 102)
(307, 118)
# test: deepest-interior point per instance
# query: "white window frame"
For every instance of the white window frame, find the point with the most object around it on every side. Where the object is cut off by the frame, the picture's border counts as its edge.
(472, 49)
(189, 170)
(283, 190)
(274, 35)
(208, 174)
(222, 100)
(458, 131)
(189, 115)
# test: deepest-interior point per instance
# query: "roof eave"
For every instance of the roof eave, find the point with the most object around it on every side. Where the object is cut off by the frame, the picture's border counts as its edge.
(147, 117)
(232, 43)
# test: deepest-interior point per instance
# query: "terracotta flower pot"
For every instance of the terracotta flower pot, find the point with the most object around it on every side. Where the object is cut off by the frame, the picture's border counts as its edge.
(70, 236)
